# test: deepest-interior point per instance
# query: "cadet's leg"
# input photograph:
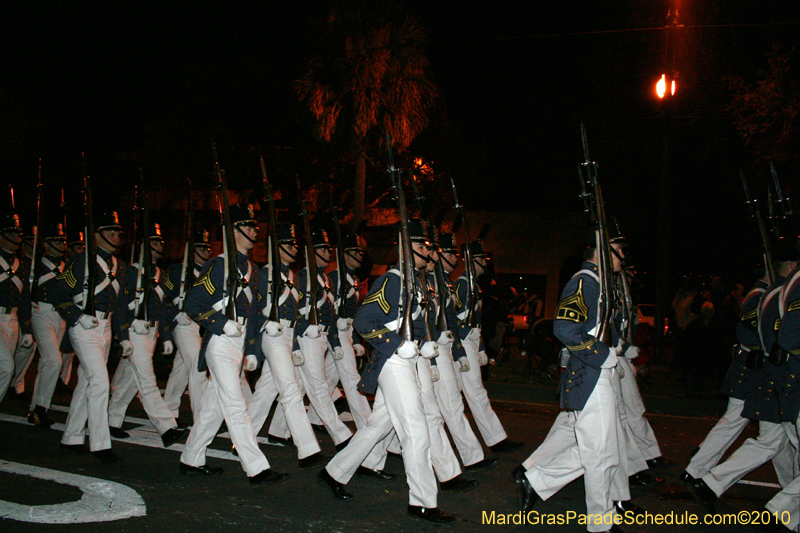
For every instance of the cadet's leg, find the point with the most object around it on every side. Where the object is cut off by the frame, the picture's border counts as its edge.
(719, 439)
(48, 328)
(9, 335)
(444, 460)
(472, 385)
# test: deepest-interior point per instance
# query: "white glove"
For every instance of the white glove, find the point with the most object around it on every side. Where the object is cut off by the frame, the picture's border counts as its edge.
(88, 322)
(232, 329)
(140, 327)
(274, 329)
(483, 359)
(429, 350)
(474, 334)
(359, 349)
(183, 319)
(127, 348)
(407, 350)
(312, 332)
(26, 341)
(463, 365)
(434, 373)
(446, 338)
(297, 358)
(343, 324)
(250, 363)
(632, 352)
(168, 348)
(338, 353)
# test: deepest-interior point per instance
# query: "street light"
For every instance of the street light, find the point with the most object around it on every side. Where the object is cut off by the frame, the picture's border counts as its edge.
(661, 87)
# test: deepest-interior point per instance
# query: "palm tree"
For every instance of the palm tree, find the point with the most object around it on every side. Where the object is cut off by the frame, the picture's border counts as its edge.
(373, 79)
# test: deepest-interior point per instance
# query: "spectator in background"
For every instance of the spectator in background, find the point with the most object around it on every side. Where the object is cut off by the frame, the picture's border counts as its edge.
(700, 351)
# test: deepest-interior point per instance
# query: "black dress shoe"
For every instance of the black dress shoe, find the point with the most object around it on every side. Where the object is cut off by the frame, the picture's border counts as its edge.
(174, 435)
(645, 479)
(342, 445)
(627, 506)
(182, 424)
(527, 496)
(659, 462)
(204, 470)
(313, 460)
(268, 477)
(118, 433)
(279, 441)
(485, 464)
(458, 484)
(319, 428)
(434, 515)
(703, 494)
(336, 488)
(506, 446)
(363, 471)
(107, 456)
(38, 417)
(75, 448)
(686, 477)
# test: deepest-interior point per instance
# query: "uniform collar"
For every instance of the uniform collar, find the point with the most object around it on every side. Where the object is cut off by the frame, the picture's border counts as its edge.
(588, 265)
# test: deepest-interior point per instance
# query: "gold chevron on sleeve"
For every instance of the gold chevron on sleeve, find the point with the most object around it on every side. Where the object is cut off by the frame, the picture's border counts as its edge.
(376, 333)
(69, 277)
(380, 298)
(459, 304)
(168, 283)
(777, 324)
(573, 307)
(752, 314)
(794, 306)
(205, 281)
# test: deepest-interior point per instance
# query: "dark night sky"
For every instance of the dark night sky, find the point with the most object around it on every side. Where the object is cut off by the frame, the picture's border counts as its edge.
(148, 83)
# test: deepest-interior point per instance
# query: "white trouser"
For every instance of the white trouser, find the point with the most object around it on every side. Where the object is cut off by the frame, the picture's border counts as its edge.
(786, 503)
(184, 372)
(472, 386)
(90, 397)
(397, 405)
(9, 336)
(585, 443)
(346, 371)
(66, 366)
(135, 373)
(634, 407)
(445, 462)
(451, 406)
(316, 387)
(48, 330)
(22, 361)
(771, 440)
(279, 369)
(719, 439)
(223, 400)
(631, 459)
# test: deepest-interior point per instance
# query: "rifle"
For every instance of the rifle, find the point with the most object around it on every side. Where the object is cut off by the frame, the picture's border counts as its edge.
(406, 253)
(341, 266)
(276, 284)
(603, 331)
(762, 229)
(90, 278)
(33, 279)
(311, 264)
(469, 267)
(144, 279)
(133, 225)
(229, 242)
(187, 267)
(63, 207)
(784, 203)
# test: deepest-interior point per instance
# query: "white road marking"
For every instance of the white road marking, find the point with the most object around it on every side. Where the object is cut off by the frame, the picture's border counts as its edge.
(102, 501)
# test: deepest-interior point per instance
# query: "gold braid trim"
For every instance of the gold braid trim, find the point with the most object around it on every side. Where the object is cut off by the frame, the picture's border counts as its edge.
(205, 315)
(582, 346)
(375, 333)
(573, 308)
(380, 298)
(168, 284)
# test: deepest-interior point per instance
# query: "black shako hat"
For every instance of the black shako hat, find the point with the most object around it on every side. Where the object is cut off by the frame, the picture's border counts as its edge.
(108, 221)
(287, 234)
(476, 249)
(75, 238)
(54, 232)
(319, 238)
(155, 232)
(242, 215)
(614, 236)
(201, 238)
(350, 242)
(9, 222)
(447, 243)
(786, 250)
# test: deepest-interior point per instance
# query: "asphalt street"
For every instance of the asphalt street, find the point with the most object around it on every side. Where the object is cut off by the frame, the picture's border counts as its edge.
(169, 502)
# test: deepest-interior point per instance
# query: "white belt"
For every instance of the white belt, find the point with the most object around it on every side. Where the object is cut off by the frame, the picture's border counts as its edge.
(288, 323)
(43, 306)
(103, 315)
(242, 320)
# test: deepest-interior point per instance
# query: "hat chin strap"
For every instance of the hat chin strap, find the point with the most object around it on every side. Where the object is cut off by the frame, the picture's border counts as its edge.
(287, 252)
(107, 241)
(427, 259)
(326, 261)
(350, 253)
(451, 265)
(239, 229)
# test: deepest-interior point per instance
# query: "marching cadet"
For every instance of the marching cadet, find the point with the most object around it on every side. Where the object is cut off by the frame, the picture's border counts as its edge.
(135, 373)
(341, 365)
(15, 303)
(391, 375)
(75, 245)
(585, 438)
(278, 377)
(225, 344)
(470, 379)
(185, 333)
(448, 393)
(48, 326)
(91, 337)
(763, 402)
(315, 340)
(24, 354)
